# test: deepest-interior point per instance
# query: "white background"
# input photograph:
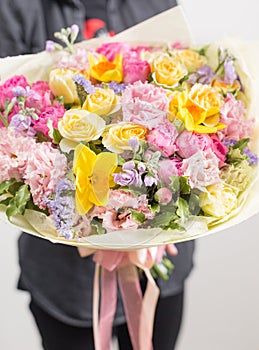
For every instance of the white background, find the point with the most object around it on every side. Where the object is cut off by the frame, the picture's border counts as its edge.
(222, 309)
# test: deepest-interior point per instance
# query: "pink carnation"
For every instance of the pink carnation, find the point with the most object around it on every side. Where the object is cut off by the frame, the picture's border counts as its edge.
(46, 165)
(40, 99)
(6, 88)
(52, 113)
(163, 138)
(220, 150)
(144, 104)
(134, 70)
(189, 143)
(202, 169)
(232, 114)
(14, 153)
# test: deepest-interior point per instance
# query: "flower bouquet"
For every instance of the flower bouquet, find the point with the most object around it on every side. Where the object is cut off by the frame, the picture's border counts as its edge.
(120, 145)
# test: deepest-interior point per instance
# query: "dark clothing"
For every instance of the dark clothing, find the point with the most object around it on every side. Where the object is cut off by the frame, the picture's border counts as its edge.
(169, 312)
(61, 282)
(24, 29)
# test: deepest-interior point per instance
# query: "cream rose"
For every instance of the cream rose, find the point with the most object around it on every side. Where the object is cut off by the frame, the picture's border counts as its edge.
(61, 84)
(167, 71)
(102, 102)
(117, 136)
(219, 200)
(189, 58)
(80, 125)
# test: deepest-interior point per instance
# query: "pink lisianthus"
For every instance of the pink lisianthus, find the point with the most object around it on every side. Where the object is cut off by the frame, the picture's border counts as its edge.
(202, 169)
(167, 168)
(134, 70)
(45, 166)
(144, 104)
(111, 50)
(14, 153)
(232, 114)
(189, 143)
(52, 113)
(163, 138)
(219, 150)
(6, 88)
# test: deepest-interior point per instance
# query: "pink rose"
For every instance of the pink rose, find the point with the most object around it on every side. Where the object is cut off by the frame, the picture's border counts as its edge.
(202, 169)
(167, 168)
(163, 138)
(111, 50)
(134, 70)
(189, 143)
(144, 104)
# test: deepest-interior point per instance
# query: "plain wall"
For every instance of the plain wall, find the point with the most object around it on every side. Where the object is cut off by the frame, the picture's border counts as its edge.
(221, 311)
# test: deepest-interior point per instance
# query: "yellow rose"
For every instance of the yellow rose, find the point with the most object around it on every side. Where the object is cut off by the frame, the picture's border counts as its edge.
(102, 102)
(199, 109)
(167, 71)
(92, 174)
(61, 84)
(219, 200)
(189, 58)
(80, 125)
(104, 70)
(116, 138)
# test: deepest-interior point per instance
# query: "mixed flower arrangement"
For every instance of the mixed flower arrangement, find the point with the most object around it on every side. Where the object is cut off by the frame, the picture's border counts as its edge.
(126, 137)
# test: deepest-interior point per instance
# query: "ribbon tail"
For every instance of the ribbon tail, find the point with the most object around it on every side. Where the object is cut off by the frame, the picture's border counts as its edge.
(148, 313)
(132, 301)
(108, 307)
(96, 308)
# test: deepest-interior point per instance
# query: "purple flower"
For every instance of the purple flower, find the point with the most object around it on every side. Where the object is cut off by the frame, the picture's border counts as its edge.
(253, 158)
(134, 143)
(150, 180)
(204, 75)
(129, 176)
(230, 72)
(228, 142)
(117, 87)
(20, 91)
(86, 84)
(62, 208)
(22, 124)
(49, 46)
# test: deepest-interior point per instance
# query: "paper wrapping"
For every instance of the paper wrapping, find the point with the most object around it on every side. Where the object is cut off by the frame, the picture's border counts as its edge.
(168, 26)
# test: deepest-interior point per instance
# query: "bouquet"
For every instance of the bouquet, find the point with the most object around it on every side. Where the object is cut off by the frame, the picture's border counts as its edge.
(124, 145)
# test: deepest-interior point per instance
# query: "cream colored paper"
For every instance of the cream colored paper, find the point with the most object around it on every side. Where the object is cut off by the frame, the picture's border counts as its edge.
(168, 26)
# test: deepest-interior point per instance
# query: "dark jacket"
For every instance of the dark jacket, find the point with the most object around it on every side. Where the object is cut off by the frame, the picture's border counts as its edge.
(58, 279)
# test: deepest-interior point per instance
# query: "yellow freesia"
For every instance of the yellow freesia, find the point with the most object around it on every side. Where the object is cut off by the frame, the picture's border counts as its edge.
(104, 70)
(93, 174)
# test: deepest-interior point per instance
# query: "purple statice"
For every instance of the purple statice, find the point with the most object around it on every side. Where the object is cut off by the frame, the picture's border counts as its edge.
(252, 157)
(86, 84)
(62, 208)
(20, 91)
(230, 72)
(229, 142)
(22, 124)
(129, 176)
(203, 75)
(117, 87)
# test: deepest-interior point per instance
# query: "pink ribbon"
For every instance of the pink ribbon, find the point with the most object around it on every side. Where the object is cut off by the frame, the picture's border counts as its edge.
(139, 309)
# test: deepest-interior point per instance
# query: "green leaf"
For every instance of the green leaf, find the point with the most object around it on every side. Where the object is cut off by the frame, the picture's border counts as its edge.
(81, 93)
(18, 203)
(183, 209)
(57, 137)
(242, 144)
(5, 185)
(180, 184)
(137, 216)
